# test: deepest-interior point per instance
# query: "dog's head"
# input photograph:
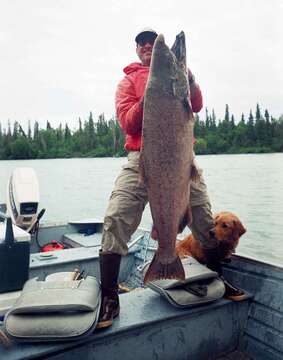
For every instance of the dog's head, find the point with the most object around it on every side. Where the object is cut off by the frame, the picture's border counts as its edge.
(228, 230)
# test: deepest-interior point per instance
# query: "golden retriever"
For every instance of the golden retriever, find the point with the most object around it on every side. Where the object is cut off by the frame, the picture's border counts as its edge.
(228, 230)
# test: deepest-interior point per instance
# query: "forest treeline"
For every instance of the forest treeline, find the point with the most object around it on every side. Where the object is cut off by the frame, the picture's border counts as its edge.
(258, 133)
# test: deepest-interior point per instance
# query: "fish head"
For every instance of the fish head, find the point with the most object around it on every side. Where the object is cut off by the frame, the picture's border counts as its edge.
(163, 62)
(167, 68)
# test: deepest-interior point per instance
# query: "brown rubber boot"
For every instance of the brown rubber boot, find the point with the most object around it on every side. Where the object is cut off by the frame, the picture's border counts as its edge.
(109, 272)
(214, 264)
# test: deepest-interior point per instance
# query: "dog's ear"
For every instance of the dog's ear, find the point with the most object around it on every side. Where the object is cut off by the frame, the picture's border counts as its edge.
(239, 228)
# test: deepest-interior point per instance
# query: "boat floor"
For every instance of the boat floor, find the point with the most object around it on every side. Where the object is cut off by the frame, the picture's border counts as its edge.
(235, 355)
(155, 329)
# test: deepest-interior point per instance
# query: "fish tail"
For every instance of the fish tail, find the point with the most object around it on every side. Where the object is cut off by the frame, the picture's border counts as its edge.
(158, 271)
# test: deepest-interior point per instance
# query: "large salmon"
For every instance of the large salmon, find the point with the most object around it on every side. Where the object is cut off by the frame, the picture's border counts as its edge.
(166, 161)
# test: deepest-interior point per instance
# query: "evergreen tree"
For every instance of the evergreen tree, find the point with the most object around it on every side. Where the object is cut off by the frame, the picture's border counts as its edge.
(207, 119)
(15, 130)
(1, 143)
(257, 113)
(9, 133)
(29, 131)
(36, 132)
(232, 122)
(240, 134)
(266, 115)
(20, 148)
(223, 140)
(260, 134)
(213, 121)
(90, 133)
(197, 126)
(7, 141)
(227, 116)
(250, 130)
(48, 126)
(67, 133)
(21, 131)
(59, 134)
(277, 140)
(80, 126)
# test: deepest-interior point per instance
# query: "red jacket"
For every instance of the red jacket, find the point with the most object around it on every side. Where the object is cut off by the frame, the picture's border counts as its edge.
(129, 108)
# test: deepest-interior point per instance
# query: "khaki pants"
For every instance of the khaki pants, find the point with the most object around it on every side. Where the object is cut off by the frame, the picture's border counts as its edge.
(127, 203)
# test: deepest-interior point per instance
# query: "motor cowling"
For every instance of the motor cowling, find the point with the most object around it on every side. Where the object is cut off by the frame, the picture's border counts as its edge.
(23, 197)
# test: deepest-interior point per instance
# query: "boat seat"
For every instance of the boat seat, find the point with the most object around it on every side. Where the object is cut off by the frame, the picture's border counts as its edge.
(81, 240)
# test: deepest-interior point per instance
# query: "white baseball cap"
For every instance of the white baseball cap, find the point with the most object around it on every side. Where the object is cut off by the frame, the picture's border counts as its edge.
(145, 31)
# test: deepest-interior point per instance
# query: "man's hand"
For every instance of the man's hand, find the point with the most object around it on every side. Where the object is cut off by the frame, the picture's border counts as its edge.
(191, 77)
(195, 93)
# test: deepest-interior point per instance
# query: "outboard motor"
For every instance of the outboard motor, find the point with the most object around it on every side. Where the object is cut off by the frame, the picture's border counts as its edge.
(23, 198)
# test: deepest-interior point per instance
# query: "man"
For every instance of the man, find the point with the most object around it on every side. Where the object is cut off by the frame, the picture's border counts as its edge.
(129, 196)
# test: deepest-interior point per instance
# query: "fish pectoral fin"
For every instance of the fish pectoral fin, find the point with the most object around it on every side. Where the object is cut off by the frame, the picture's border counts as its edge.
(187, 105)
(158, 271)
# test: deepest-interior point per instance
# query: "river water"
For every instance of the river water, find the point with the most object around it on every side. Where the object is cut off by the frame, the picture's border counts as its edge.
(250, 185)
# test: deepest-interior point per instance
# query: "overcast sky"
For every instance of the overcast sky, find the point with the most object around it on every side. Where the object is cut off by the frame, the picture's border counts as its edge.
(61, 59)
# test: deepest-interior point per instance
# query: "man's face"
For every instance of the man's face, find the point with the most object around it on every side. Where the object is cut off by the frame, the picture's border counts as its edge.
(144, 49)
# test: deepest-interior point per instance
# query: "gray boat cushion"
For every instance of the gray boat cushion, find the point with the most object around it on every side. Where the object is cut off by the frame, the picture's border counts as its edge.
(62, 296)
(201, 285)
(55, 310)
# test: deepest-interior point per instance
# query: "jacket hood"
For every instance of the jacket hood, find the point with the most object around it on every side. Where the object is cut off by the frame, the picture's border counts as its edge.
(134, 67)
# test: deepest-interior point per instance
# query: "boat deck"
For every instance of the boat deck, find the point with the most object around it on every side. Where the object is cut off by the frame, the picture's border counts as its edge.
(235, 355)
